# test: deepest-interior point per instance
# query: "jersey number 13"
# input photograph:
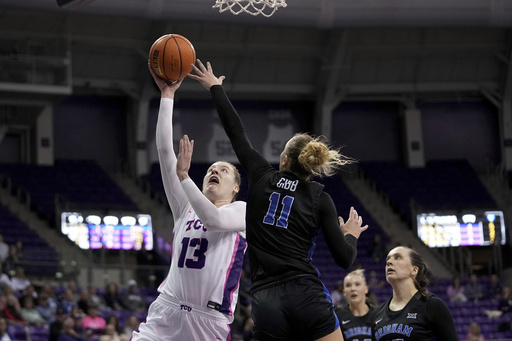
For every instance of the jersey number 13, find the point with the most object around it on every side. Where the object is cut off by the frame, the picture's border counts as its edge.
(200, 245)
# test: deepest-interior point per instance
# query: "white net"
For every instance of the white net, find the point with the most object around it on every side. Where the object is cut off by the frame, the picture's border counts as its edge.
(253, 7)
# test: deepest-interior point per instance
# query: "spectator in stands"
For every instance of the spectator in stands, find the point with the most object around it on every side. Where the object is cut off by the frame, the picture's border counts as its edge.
(93, 323)
(4, 249)
(474, 290)
(47, 288)
(5, 280)
(337, 297)
(30, 291)
(474, 333)
(95, 299)
(56, 327)
(455, 291)
(5, 335)
(114, 320)
(11, 261)
(392, 243)
(19, 249)
(30, 313)
(131, 324)
(84, 300)
(110, 334)
(47, 308)
(78, 316)
(132, 299)
(495, 288)
(505, 301)
(12, 310)
(112, 297)
(19, 281)
(67, 301)
(118, 333)
(374, 282)
(377, 249)
(73, 287)
(68, 331)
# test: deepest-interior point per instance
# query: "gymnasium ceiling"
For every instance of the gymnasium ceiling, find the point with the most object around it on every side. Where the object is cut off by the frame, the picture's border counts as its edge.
(325, 50)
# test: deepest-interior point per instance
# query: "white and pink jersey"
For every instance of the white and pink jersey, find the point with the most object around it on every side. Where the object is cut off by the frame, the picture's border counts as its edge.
(208, 242)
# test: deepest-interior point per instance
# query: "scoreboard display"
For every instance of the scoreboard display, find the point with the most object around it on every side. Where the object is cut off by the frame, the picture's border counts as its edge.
(476, 228)
(94, 231)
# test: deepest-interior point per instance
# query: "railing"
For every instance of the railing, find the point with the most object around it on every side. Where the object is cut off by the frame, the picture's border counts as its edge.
(97, 273)
(36, 66)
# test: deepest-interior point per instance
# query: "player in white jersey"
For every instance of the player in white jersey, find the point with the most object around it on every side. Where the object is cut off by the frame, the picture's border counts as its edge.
(197, 299)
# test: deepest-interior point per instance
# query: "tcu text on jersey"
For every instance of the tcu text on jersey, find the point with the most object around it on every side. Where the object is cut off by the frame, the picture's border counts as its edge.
(196, 224)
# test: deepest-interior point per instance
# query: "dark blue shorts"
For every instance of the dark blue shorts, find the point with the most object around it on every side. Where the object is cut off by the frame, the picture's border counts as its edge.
(300, 309)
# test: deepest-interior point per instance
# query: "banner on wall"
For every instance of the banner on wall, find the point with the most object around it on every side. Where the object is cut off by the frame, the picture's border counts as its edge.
(268, 125)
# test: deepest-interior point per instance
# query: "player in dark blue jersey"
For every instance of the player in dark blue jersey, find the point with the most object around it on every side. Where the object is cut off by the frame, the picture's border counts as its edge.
(412, 313)
(356, 316)
(285, 211)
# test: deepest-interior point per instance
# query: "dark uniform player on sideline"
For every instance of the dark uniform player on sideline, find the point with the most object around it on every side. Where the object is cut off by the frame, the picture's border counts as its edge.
(412, 313)
(356, 316)
(284, 214)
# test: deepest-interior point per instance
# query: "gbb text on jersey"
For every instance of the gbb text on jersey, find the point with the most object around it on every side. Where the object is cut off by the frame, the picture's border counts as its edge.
(288, 184)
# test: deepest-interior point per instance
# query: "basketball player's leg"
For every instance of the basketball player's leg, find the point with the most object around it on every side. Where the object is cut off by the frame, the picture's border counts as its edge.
(314, 315)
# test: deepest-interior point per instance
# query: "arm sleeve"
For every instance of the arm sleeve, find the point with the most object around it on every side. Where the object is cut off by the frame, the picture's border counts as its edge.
(442, 323)
(343, 248)
(246, 154)
(167, 158)
(224, 219)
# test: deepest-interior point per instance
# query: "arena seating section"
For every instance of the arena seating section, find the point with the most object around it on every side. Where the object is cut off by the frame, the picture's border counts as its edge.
(445, 184)
(41, 258)
(82, 183)
(441, 184)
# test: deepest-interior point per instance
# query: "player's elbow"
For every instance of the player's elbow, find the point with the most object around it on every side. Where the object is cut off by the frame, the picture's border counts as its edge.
(163, 150)
(213, 224)
(344, 261)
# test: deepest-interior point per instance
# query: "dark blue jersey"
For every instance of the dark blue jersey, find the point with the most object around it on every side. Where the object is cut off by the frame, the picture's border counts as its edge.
(284, 213)
(421, 319)
(355, 328)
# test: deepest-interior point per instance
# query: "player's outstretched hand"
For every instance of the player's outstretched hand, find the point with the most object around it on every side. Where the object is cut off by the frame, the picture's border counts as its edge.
(353, 225)
(184, 157)
(204, 75)
(167, 88)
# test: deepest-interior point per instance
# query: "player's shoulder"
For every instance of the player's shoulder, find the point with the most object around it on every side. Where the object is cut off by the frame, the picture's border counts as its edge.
(434, 301)
(343, 310)
(238, 204)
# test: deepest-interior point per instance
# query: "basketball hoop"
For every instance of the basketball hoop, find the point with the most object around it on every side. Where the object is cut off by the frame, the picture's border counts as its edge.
(253, 7)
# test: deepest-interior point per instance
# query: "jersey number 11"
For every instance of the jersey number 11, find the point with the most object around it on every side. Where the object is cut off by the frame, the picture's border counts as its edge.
(286, 204)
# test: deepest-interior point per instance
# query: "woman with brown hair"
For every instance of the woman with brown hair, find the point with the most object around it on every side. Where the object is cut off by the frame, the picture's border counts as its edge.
(412, 313)
(285, 212)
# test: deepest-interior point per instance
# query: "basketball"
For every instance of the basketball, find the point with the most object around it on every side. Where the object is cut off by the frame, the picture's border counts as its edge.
(171, 57)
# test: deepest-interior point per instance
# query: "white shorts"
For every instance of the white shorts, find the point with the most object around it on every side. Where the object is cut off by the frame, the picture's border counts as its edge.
(171, 320)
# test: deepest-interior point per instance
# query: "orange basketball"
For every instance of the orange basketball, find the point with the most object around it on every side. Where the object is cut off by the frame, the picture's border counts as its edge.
(171, 57)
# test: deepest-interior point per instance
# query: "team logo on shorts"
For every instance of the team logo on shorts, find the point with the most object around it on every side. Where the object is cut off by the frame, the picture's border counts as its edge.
(185, 307)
